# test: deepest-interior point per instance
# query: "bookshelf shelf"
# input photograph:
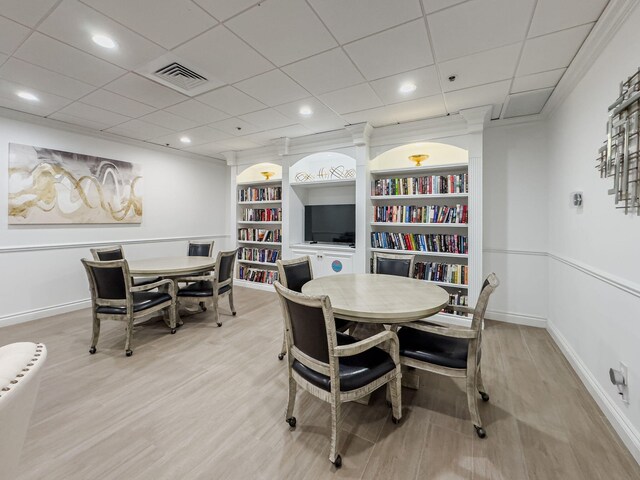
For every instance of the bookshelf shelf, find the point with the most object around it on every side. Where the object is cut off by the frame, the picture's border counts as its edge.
(253, 262)
(261, 202)
(259, 183)
(420, 252)
(256, 242)
(449, 285)
(254, 222)
(325, 183)
(420, 171)
(419, 225)
(425, 196)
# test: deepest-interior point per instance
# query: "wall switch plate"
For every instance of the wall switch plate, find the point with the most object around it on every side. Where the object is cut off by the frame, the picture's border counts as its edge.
(624, 391)
(576, 199)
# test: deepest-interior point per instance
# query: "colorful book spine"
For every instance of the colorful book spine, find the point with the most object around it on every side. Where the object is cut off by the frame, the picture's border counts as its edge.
(437, 243)
(425, 185)
(259, 194)
(262, 215)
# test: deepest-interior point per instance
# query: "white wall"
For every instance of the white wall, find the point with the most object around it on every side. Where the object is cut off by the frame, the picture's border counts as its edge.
(183, 197)
(594, 264)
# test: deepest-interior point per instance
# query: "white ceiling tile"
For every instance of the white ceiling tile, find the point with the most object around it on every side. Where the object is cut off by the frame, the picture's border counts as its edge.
(26, 12)
(537, 80)
(490, 94)
(75, 24)
(239, 143)
(95, 114)
(3, 58)
(116, 103)
(267, 119)
(236, 127)
(325, 72)
(272, 88)
(166, 22)
(46, 105)
(12, 35)
(553, 15)
(82, 122)
(394, 51)
(198, 136)
(223, 55)
(431, 6)
(496, 110)
(225, 9)
(425, 79)
(144, 90)
(292, 131)
(196, 111)
(351, 99)
(478, 25)
(61, 58)
(169, 120)
(527, 103)
(400, 112)
(208, 149)
(552, 51)
(353, 19)
(231, 100)
(321, 119)
(45, 80)
(283, 30)
(139, 130)
(480, 68)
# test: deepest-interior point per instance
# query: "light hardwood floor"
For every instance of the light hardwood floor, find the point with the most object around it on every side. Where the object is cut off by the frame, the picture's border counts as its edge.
(208, 403)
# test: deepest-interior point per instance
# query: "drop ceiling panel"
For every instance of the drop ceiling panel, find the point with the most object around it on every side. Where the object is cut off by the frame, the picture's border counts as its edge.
(230, 127)
(3, 58)
(553, 15)
(139, 130)
(425, 79)
(169, 120)
(198, 136)
(537, 80)
(89, 112)
(224, 55)
(81, 122)
(208, 149)
(353, 19)
(322, 119)
(272, 88)
(146, 91)
(165, 22)
(267, 119)
(26, 12)
(527, 103)
(480, 68)
(397, 50)
(225, 9)
(478, 25)
(325, 72)
(283, 30)
(239, 143)
(12, 35)
(431, 6)
(231, 100)
(352, 99)
(400, 112)
(196, 111)
(54, 55)
(493, 93)
(116, 103)
(46, 105)
(552, 51)
(44, 80)
(268, 136)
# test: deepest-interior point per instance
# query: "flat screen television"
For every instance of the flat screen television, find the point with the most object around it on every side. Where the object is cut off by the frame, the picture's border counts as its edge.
(330, 223)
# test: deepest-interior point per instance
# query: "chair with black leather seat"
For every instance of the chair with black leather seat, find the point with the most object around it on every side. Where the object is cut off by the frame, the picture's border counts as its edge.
(452, 351)
(200, 249)
(293, 274)
(206, 290)
(116, 252)
(114, 297)
(393, 264)
(333, 366)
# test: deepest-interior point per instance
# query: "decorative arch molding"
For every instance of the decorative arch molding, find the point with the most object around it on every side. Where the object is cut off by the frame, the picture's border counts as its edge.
(439, 153)
(254, 173)
(323, 166)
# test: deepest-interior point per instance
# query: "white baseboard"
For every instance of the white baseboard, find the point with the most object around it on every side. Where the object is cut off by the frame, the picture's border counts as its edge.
(37, 313)
(517, 318)
(627, 432)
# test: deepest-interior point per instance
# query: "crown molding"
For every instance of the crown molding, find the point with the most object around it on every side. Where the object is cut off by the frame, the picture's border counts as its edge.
(477, 118)
(361, 133)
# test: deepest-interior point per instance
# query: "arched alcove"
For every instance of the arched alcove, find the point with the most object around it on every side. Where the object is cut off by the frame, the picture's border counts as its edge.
(323, 167)
(439, 154)
(258, 173)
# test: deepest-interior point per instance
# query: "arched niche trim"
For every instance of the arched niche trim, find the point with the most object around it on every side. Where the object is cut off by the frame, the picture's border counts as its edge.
(254, 173)
(439, 154)
(323, 166)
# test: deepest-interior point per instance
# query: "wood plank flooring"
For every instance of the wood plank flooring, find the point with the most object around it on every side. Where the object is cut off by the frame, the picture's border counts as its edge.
(209, 403)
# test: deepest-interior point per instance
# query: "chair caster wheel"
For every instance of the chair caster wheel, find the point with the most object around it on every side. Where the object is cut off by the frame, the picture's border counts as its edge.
(128, 353)
(480, 431)
(92, 350)
(219, 324)
(233, 313)
(338, 461)
(173, 331)
(388, 403)
(292, 422)
(280, 356)
(395, 420)
(485, 396)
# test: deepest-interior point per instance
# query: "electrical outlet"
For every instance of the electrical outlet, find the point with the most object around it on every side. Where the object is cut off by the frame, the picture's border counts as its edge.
(624, 392)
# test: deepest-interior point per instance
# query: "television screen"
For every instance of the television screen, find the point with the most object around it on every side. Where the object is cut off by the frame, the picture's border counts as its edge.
(330, 223)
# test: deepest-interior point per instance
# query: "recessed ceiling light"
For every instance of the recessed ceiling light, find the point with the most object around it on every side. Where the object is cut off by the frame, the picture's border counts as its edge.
(28, 96)
(185, 139)
(305, 111)
(408, 87)
(104, 41)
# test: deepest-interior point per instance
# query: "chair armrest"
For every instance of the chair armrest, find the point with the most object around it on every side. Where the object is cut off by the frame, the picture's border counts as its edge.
(368, 343)
(461, 308)
(151, 286)
(455, 332)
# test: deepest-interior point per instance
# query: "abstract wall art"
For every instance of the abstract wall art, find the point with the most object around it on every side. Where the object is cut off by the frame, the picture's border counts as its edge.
(49, 186)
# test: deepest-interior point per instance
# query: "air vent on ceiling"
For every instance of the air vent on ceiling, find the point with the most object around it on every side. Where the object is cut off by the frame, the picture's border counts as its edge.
(180, 76)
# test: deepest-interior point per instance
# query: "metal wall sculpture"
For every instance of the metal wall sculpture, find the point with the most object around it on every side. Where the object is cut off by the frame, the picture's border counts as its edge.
(54, 187)
(619, 157)
(338, 172)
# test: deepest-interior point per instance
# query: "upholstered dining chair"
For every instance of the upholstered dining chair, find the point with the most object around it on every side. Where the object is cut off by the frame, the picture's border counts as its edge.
(452, 351)
(20, 371)
(393, 264)
(116, 252)
(114, 297)
(200, 249)
(293, 274)
(333, 366)
(206, 290)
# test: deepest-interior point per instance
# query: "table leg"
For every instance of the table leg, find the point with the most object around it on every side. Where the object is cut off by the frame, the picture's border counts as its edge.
(410, 379)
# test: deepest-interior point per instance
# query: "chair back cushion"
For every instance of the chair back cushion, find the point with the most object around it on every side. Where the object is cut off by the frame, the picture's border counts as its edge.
(296, 275)
(392, 266)
(224, 266)
(110, 282)
(200, 249)
(308, 330)
(108, 255)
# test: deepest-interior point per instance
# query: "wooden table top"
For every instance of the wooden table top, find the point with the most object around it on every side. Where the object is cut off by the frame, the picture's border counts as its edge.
(379, 298)
(167, 266)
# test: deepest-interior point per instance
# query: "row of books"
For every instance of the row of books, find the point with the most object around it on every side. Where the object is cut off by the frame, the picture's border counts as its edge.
(427, 185)
(445, 243)
(259, 235)
(442, 272)
(425, 214)
(259, 194)
(257, 275)
(262, 214)
(456, 299)
(267, 255)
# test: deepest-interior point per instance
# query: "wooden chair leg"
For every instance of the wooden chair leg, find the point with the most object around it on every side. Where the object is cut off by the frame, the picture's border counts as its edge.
(291, 420)
(334, 457)
(173, 311)
(233, 309)
(472, 401)
(395, 389)
(95, 334)
(216, 314)
(481, 390)
(127, 346)
(283, 350)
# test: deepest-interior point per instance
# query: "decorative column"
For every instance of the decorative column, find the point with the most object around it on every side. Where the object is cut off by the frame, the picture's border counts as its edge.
(282, 148)
(232, 172)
